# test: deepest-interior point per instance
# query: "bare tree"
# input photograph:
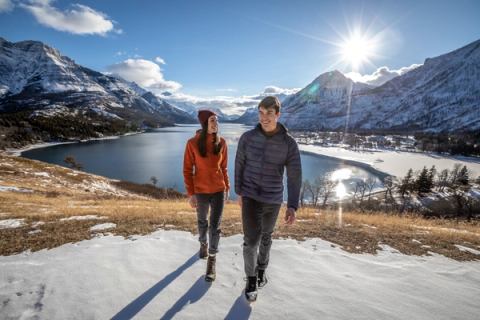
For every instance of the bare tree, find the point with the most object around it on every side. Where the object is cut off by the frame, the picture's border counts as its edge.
(442, 180)
(323, 187)
(327, 185)
(70, 160)
(389, 185)
(153, 180)
(360, 189)
(311, 189)
(303, 190)
(370, 183)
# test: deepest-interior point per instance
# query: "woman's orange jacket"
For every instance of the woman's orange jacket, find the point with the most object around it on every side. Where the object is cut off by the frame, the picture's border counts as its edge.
(205, 175)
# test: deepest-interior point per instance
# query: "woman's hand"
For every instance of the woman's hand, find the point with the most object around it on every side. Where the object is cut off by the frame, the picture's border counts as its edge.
(193, 201)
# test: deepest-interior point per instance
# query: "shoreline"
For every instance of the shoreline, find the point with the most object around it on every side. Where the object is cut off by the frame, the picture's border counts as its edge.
(393, 163)
(18, 152)
(372, 161)
(367, 167)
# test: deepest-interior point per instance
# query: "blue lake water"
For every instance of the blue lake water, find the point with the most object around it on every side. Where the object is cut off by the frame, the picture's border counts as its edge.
(160, 153)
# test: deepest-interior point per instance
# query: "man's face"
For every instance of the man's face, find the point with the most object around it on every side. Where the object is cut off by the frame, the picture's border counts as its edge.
(268, 118)
(212, 124)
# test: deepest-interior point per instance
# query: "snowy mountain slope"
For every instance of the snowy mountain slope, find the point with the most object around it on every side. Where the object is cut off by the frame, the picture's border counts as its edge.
(441, 95)
(35, 76)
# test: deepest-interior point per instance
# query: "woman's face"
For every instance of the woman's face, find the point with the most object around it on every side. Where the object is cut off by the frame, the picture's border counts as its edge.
(212, 124)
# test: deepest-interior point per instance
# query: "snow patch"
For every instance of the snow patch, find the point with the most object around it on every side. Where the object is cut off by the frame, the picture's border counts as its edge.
(103, 226)
(12, 223)
(42, 174)
(86, 217)
(467, 249)
(8, 188)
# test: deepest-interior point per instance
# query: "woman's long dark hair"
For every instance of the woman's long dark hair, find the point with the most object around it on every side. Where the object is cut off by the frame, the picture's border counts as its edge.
(202, 142)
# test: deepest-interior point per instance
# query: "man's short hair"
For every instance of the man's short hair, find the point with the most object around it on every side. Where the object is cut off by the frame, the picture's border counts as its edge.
(270, 102)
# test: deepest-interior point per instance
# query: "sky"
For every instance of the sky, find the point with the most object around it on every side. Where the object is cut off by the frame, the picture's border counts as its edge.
(227, 50)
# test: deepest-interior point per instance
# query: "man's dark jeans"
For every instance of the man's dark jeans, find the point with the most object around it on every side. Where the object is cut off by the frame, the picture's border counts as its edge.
(258, 224)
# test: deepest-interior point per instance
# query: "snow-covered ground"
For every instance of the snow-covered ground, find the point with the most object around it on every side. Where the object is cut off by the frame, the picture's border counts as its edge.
(159, 276)
(396, 163)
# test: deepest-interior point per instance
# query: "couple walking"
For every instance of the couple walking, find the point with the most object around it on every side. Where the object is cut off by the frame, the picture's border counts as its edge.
(262, 155)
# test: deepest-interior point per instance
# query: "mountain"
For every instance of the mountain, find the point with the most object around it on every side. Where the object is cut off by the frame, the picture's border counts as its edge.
(36, 81)
(192, 108)
(441, 95)
(250, 116)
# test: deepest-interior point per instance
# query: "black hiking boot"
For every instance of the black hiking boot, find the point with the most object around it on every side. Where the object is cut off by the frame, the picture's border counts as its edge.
(203, 253)
(251, 289)
(210, 274)
(261, 279)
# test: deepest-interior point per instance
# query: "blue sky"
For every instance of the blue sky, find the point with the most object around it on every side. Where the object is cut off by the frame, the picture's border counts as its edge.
(237, 48)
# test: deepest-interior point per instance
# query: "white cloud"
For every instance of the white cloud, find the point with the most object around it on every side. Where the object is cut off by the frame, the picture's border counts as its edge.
(226, 90)
(273, 90)
(6, 5)
(380, 76)
(228, 105)
(159, 60)
(79, 19)
(145, 73)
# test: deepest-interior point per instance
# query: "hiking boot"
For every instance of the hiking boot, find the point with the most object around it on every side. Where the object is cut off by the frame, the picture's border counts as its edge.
(203, 253)
(261, 279)
(210, 274)
(251, 289)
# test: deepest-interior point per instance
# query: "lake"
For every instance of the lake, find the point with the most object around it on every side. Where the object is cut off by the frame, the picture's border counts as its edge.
(160, 153)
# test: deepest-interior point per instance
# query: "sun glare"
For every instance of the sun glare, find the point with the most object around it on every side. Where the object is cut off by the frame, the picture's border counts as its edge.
(356, 50)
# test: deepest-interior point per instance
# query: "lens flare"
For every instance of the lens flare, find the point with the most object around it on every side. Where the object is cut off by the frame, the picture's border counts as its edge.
(341, 174)
(357, 49)
(340, 191)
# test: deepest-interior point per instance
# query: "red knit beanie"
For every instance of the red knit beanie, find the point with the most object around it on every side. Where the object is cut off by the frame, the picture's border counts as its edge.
(203, 116)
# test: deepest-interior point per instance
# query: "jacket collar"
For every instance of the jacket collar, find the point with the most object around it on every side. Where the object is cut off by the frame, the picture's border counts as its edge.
(282, 130)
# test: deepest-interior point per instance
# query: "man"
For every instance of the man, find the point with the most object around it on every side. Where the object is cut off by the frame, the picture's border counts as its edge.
(262, 155)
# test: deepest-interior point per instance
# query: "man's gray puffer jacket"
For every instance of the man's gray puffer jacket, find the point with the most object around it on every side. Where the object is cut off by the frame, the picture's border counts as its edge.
(260, 163)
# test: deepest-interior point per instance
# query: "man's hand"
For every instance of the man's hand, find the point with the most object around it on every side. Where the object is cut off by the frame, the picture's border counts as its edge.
(240, 201)
(290, 216)
(226, 196)
(193, 201)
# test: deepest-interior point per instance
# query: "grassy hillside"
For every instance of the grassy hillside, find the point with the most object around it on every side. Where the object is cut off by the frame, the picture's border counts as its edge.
(43, 196)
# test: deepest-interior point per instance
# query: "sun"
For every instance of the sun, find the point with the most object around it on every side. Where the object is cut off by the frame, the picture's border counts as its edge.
(357, 50)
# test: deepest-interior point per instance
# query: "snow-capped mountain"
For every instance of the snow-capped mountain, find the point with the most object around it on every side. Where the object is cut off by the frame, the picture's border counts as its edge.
(193, 108)
(441, 95)
(34, 76)
(250, 116)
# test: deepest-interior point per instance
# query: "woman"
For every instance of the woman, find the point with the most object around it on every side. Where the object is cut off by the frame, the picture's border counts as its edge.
(206, 181)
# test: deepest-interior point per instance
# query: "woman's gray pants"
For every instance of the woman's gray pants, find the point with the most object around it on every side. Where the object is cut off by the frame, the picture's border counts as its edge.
(214, 202)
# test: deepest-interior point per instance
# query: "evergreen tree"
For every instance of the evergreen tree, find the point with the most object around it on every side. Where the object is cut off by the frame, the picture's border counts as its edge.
(422, 183)
(463, 178)
(406, 183)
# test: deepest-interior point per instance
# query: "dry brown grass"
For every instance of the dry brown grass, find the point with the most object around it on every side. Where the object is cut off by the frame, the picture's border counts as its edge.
(63, 196)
